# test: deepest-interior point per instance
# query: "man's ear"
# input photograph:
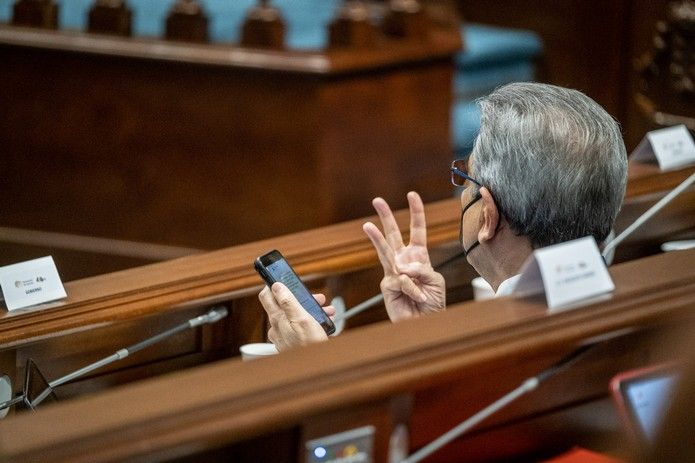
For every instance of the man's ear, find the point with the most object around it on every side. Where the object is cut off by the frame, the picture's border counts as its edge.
(489, 217)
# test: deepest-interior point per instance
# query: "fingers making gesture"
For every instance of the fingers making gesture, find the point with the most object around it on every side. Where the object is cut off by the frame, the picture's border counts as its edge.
(411, 287)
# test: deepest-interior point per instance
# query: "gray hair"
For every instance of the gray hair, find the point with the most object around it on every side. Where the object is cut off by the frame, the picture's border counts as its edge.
(553, 159)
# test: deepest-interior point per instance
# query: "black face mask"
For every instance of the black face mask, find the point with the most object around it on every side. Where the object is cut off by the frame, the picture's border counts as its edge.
(463, 212)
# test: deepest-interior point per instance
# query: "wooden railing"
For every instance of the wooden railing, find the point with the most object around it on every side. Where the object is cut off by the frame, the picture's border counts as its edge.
(428, 373)
(227, 274)
(646, 186)
(246, 143)
(104, 313)
(107, 312)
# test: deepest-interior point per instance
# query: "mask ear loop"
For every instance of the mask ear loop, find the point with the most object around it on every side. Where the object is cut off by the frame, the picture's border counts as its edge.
(475, 199)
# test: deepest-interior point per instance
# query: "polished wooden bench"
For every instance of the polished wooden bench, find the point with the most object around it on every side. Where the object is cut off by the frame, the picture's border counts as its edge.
(104, 313)
(210, 145)
(646, 186)
(107, 312)
(428, 374)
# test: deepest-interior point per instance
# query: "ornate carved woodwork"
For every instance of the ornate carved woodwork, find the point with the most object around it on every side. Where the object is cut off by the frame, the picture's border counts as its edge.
(352, 26)
(187, 22)
(35, 13)
(110, 17)
(263, 27)
(667, 72)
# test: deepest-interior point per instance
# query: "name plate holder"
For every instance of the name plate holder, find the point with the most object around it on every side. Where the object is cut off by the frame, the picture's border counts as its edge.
(568, 273)
(671, 148)
(31, 283)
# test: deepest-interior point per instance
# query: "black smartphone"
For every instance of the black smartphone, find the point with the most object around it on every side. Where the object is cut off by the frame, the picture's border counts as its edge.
(274, 267)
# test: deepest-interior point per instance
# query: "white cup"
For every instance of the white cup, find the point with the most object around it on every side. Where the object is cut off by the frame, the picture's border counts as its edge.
(482, 289)
(257, 350)
(5, 393)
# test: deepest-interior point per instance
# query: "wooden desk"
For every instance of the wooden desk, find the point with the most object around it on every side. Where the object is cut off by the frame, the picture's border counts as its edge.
(104, 313)
(646, 186)
(337, 249)
(208, 146)
(383, 374)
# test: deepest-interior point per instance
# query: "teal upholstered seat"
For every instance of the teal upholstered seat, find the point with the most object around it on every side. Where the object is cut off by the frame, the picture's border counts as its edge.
(493, 55)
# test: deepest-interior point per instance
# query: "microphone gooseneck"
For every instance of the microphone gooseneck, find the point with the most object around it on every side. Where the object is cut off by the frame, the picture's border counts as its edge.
(526, 386)
(648, 215)
(212, 316)
(11, 402)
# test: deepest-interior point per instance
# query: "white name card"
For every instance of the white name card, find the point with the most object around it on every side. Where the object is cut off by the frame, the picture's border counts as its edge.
(567, 272)
(672, 147)
(30, 283)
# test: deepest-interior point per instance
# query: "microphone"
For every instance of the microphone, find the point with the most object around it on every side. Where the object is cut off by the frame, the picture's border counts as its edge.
(209, 318)
(526, 386)
(611, 245)
(213, 316)
(374, 300)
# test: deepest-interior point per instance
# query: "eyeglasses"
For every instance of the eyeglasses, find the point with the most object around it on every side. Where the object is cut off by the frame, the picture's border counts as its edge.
(458, 173)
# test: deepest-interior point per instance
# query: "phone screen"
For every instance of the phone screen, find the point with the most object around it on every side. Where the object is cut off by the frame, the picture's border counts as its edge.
(278, 269)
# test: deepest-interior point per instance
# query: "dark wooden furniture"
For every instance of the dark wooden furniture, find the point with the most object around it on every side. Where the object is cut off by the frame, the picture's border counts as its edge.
(206, 146)
(352, 27)
(646, 186)
(588, 45)
(428, 373)
(264, 27)
(35, 13)
(110, 17)
(187, 22)
(107, 312)
(663, 90)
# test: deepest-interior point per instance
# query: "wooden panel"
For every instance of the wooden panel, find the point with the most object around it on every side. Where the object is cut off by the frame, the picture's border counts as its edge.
(62, 355)
(207, 146)
(588, 45)
(106, 313)
(520, 429)
(362, 367)
(645, 17)
(222, 275)
(675, 221)
(207, 278)
(71, 264)
(583, 49)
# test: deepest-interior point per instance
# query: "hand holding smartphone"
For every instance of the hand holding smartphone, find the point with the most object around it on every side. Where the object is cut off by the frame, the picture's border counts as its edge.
(273, 267)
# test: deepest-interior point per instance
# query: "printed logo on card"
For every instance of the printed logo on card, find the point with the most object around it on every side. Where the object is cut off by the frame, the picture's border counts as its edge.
(30, 283)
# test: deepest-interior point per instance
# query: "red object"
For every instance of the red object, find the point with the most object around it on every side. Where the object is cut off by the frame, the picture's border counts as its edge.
(580, 455)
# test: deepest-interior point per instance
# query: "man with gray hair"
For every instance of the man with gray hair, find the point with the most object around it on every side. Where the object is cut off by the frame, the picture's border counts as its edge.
(549, 165)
